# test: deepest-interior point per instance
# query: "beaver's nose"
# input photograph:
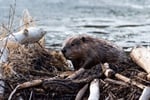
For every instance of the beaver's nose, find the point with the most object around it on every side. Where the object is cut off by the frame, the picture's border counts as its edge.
(63, 51)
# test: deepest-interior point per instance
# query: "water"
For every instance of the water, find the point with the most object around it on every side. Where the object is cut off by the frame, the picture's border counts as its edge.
(125, 22)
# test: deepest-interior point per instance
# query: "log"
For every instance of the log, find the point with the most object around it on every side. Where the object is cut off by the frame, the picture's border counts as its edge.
(145, 94)
(141, 56)
(94, 90)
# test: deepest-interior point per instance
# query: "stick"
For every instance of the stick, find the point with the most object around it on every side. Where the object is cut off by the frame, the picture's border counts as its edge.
(94, 90)
(141, 56)
(124, 78)
(81, 92)
(116, 82)
(128, 80)
(76, 73)
(30, 98)
(145, 94)
(13, 92)
(107, 71)
(25, 85)
(2, 85)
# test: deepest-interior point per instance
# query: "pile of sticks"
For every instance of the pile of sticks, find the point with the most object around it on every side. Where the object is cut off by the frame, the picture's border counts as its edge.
(102, 81)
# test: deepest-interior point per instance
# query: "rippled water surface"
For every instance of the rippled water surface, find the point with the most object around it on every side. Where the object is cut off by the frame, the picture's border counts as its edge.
(125, 22)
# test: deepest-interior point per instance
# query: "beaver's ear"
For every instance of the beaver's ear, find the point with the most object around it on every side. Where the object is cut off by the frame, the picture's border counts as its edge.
(83, 39)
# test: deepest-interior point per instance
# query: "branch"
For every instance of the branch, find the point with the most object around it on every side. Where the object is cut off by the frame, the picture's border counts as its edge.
(145, 94)
(81, 93)
(141, 56)
(121, 77)
(25, 85)
(76, 73)
(94, 90)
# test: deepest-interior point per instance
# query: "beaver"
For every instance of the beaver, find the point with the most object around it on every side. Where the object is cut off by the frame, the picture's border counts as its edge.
(87, 51)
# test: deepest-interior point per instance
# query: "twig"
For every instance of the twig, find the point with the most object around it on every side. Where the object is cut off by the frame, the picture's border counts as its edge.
(11, 15)
(81, 92)
(25, 85)
(10, 32)
(76, 73)
(123, 78)
(31, 95)
(24, 25)
(128, 80)
(13, 92)
(116, 82)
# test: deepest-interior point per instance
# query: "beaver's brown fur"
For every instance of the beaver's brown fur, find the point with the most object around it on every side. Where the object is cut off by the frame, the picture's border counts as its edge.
(86, 51)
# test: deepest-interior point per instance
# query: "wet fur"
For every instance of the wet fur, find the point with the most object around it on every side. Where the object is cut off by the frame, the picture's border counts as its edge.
(86, 51)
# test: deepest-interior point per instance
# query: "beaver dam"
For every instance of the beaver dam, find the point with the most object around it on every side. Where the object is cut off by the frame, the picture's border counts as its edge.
(29, 71)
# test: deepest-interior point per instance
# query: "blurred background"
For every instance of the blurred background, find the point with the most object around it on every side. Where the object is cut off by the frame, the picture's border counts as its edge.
(125, 22)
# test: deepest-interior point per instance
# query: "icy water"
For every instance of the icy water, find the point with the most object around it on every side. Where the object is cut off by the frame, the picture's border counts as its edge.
(125, 22)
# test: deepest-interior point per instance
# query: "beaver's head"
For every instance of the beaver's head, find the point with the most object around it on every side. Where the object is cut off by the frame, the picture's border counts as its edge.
(74, 47)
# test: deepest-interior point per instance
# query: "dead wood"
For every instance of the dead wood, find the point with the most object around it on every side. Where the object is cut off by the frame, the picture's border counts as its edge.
(81, 93)
(141, 56)
(59, 87)
(25, 85)
(39, 63)
(65, 85)
(76, 73)
(94, 90)
(145, 94)
(111, 81)
(121, 77)
(128, 80)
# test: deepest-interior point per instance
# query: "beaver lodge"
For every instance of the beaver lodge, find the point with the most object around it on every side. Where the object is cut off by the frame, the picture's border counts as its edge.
(29, 71)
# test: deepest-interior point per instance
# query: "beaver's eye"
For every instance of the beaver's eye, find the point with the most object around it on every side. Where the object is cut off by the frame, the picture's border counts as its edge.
(72, 44)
